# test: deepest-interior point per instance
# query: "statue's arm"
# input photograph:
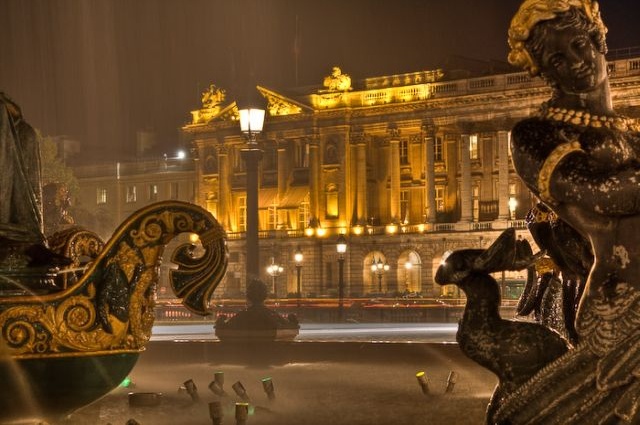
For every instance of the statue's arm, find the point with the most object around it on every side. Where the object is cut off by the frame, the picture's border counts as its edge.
(608, 192)
(558, 170)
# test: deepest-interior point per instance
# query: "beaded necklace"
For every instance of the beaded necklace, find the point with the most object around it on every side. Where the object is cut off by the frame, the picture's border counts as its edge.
(584, 118)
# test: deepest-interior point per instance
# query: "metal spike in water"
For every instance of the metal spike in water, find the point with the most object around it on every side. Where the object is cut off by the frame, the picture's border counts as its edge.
(192, 390)
(423, 382)
(216, 412)
(242, 413)
(451, 381)
(238, 388)
(267, 385)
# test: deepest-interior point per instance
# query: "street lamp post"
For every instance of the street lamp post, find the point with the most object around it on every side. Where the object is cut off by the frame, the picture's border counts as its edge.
(379, 268)
(274, 270)
(298, 257)
(251, 123)
(341, 247)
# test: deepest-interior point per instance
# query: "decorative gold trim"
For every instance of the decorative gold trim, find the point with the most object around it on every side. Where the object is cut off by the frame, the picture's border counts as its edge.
(110, 307)
(549, 166)
(74, 354)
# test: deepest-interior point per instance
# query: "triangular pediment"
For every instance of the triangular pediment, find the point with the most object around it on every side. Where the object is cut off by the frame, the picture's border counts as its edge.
(280, 105)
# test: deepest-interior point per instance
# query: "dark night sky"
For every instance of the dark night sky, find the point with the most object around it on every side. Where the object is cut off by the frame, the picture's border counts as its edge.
(98, 70)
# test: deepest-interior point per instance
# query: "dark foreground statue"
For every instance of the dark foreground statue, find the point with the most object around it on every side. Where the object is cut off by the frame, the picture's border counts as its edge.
(75, 312)
(582, 160)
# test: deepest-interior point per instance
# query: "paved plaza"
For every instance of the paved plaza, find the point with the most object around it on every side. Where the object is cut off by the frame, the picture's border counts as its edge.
(342, 382)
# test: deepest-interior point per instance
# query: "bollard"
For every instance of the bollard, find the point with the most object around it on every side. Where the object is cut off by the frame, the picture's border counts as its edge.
(451, 381)
(267, 384)
(242, 413)
(240, 391)
(216, 386)
(423, 381)
(144, 399)
(216, 412)
(219, 378)
(217, 389)
(192, 390)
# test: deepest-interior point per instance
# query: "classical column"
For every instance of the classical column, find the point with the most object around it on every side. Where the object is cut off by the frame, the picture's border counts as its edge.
(224, 188)
(359, 144)
(361, 157)
(430, 174)
(282, 181)
(252, 156)
(394, 171)
(465, 180)
(314, 177)
(503, 175)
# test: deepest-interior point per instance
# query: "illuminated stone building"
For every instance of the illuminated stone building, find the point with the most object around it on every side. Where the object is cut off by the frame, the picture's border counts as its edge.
(406, 166)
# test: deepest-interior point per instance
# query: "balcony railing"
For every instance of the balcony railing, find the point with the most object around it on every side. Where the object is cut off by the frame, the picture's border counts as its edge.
(422, 228)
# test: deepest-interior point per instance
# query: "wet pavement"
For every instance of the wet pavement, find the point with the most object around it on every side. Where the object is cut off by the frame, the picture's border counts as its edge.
(342, 382)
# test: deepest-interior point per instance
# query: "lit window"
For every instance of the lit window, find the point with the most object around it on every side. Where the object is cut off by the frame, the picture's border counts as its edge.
(473, 146)
(404, 151)
(153, 192)
(303, 213)
(440, 198)
(101, 195)
(475, 198)
(131, 194)
(331, 197)
(302, 153)
(404, 206)
(273, 217)
(437, 149)
(242, 214)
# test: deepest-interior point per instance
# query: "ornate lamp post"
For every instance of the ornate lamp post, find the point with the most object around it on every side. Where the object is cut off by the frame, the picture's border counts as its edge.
(256, 322)
(251, 123)
(274, 271)
(379, 268)
(341, 247)
(298, 257)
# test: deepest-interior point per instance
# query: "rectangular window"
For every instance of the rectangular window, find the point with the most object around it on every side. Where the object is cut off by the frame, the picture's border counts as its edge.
(513, 201)
(131, 194)
(242, 214)
(404, 152)
(173, 190)
(437, 149)
(475, 200)
(404, 206)
(331, 197)
(101, 195)
(273, 217)
(303, 214)
(473, 146)
(440, 198)
(302, 153)
(153, 192)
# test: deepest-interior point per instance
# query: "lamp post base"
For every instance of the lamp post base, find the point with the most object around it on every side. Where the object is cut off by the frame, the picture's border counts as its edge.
(257, 324)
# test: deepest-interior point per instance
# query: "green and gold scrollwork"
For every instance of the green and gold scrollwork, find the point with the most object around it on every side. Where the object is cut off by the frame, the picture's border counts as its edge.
(110, 306)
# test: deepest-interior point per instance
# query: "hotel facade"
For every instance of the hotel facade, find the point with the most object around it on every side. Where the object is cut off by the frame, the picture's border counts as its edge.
(407, 167)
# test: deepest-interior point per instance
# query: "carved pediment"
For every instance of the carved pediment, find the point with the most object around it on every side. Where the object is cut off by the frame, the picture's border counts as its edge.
(278, 104)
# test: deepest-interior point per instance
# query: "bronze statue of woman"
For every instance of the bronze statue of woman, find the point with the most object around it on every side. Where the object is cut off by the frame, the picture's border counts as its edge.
(582, 159)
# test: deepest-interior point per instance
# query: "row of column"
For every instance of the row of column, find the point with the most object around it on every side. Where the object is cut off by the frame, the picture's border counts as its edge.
(360, 169)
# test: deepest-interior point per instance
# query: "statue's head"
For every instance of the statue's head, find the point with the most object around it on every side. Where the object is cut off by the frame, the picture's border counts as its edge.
(544, 33)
